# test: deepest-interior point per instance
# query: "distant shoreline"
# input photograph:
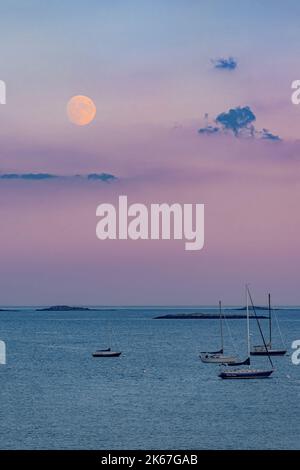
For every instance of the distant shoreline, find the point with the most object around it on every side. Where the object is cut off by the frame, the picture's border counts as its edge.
(113, 308)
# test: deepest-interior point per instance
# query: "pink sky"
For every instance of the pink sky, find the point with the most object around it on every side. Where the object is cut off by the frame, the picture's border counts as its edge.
(250, 189)
(150, 72)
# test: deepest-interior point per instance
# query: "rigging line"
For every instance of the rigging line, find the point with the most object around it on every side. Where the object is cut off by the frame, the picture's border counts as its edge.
(282, 338)
(258, 323)
(230, 334)
(114, 339)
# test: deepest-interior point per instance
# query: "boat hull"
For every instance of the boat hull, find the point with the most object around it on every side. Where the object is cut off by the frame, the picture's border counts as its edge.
(270, 352)
(217, 358)
(245, 374)
(106, 354)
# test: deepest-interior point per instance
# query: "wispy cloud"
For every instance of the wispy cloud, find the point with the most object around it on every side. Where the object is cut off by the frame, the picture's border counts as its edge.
(27, 176)
(209, 130)
(225, 63)
(106, 177)
(101, 177)
(240, 122)
(267, 135)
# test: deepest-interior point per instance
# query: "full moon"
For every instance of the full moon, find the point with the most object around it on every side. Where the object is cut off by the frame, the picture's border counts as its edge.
(81, 110)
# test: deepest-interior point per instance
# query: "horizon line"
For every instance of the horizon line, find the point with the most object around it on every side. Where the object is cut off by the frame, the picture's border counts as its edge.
(142, 305)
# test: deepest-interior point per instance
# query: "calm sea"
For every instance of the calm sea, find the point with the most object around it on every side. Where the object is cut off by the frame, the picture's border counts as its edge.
(157, 395)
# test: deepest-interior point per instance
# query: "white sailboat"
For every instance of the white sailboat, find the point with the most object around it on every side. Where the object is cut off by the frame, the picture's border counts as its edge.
(218, 357)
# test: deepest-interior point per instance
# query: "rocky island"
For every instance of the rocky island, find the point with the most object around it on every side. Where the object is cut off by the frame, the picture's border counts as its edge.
(204, 316)
(66, 308)
(8, 310)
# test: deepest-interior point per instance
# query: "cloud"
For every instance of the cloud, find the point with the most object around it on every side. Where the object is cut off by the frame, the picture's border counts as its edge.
(106, 177)
(101, 176)
(239, 121)
(27, 176)
(209, 130)
(267, 135)
(225, 64)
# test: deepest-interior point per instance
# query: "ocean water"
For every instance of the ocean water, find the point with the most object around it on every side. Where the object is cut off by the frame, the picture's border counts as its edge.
(157, 395)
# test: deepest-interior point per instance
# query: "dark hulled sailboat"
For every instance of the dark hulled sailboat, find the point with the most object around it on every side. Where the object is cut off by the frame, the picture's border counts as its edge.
(250, 372)
(268, 350)
(108, 352)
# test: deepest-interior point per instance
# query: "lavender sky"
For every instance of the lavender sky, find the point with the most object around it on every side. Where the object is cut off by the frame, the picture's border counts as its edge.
(158, 72)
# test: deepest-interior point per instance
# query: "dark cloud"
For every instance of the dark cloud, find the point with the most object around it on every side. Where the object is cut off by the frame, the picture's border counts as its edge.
(267, 135)
(225, 64)
(27, 176)
(106, 177)
(101, 176)
(239, 121)
(209, 130)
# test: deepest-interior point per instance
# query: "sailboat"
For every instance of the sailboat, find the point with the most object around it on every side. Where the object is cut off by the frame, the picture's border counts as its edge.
(249, 373)
(218, 357)
(107, 352)
(261, 350)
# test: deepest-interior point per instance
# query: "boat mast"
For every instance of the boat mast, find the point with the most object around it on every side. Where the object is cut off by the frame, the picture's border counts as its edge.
(259, 327)
(221, 326)
(270, 321)
(248, 321)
